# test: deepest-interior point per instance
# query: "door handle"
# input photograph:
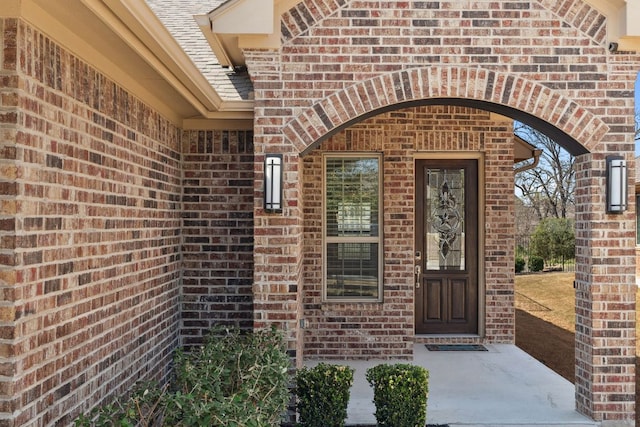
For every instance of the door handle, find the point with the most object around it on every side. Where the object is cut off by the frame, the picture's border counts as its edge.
(418, 273)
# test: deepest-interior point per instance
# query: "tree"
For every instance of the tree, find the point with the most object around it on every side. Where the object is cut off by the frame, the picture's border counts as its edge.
(554, 239)
(549, 187)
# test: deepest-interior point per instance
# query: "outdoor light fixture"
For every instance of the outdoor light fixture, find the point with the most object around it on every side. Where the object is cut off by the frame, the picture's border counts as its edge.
(273, 183)
(616, 184)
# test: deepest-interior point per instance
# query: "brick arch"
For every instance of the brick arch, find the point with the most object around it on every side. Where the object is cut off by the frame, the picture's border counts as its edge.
(577, 13)
(574, 127)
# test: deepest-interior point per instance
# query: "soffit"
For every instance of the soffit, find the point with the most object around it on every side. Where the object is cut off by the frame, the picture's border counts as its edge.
(522, 150)
(243, 24)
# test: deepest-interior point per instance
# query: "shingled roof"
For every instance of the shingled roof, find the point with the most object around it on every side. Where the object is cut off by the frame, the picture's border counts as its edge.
(177, 17)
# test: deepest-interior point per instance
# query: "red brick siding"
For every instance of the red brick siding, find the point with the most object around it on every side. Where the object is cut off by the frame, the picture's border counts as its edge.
(278, 241)
(92, 185)
(386, 330)
(637, 265)
(344, 60)
(605, 299)
(9, 205)
(218, 232)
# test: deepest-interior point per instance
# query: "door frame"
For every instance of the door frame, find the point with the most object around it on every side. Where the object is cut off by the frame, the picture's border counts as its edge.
(479, 157)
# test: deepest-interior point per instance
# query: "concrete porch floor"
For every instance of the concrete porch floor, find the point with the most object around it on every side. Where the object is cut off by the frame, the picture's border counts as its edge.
(500, 387)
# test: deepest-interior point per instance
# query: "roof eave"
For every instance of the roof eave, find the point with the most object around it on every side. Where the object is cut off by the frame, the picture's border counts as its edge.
(243, 24)
(136, 23)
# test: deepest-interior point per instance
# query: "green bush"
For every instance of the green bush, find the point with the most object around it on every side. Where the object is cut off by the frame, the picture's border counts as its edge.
(536, 263)
(399, 394)
(520, 264)
(236, 379)
(143, 407)
(323, 395)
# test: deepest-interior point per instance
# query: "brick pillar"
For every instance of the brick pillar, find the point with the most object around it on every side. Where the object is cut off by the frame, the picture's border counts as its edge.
(605, 300)
(9, 84)
(278, 236)
(499, 229)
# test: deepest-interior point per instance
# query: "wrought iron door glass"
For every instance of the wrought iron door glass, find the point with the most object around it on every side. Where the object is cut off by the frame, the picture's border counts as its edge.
(445, 219)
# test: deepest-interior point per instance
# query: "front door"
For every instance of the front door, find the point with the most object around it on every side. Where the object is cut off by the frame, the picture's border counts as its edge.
(446, 257)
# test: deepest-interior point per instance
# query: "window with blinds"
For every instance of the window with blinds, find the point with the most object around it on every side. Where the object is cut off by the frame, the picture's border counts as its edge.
(352, 224)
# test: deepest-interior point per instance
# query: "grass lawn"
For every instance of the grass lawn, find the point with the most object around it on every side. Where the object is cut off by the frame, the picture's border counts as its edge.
(545, 322)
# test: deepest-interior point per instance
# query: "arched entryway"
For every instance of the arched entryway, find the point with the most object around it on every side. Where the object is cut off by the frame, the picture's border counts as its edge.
(573, 126)
(602, 287)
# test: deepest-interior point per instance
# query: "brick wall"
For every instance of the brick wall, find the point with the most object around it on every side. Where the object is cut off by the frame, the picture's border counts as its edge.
(605, 299)
(218, 231)
(278, 244)
(91, 187)
(386, 330)
(9, 205)
(545, 62)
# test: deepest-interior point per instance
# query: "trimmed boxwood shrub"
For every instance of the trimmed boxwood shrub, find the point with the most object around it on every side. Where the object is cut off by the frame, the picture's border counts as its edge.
(323, 395)
(536, 263)
(520, 264)
(399, 394)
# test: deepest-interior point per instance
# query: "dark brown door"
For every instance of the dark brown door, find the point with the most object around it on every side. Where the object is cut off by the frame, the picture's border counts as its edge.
(446, 265)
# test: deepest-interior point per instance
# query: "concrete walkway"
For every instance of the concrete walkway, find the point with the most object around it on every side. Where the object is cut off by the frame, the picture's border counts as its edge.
(500, 387)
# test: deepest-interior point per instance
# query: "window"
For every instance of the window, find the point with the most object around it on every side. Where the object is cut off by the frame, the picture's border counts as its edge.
(352, 241)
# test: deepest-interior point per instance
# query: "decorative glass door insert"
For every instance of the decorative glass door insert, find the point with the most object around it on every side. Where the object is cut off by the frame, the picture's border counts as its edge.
(445, 219)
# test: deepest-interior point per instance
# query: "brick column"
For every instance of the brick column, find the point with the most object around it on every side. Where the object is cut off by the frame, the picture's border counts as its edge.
(499, 238)
(9, 86)
(605, 300)
(278, 236)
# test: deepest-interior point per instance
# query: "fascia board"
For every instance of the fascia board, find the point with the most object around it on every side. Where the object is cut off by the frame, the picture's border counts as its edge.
(137, 25)
(233, 110)
(216, 44)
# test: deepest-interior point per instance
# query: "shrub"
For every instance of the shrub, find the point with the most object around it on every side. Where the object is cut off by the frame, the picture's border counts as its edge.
(323, 395)
(143, 407)
(399, 394)
(536, 263)
(235, 379)
(554, 238)
(520, 264)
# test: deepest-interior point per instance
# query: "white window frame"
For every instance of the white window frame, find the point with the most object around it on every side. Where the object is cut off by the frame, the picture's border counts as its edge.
(326, 240)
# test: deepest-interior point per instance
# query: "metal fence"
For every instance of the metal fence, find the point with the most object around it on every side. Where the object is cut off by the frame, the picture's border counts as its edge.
(523, 250)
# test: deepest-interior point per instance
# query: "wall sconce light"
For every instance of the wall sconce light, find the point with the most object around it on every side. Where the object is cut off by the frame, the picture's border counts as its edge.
(616, 184)
(273, 183)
